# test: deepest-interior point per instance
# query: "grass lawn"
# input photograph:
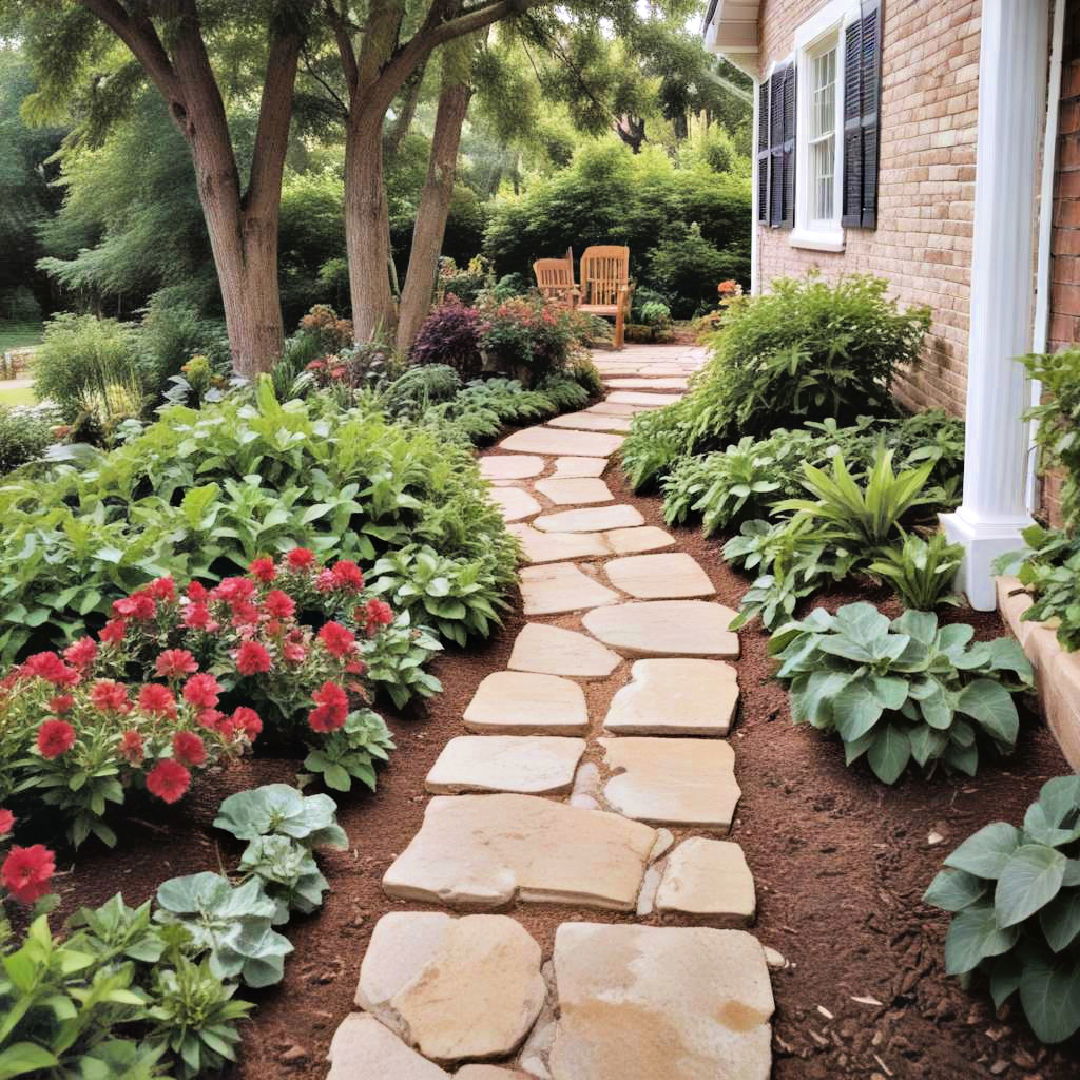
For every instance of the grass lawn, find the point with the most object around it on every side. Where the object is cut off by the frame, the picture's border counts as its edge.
(17, 335)
(17, 395)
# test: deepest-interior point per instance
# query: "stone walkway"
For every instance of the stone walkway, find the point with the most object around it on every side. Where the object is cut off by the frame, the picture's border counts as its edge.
(544, 802)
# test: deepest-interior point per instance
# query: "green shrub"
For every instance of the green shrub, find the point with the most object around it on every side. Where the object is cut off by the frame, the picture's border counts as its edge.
(1058, 422)
(1015, 893)
(25, 433)
(1049, 568)
(902, 691)
(686, 267)
(170, 334)
(920, 571)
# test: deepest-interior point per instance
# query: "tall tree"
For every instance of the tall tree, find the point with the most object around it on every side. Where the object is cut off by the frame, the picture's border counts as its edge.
(168, 44)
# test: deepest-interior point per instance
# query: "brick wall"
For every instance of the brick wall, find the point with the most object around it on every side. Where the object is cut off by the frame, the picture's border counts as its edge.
(922, 243)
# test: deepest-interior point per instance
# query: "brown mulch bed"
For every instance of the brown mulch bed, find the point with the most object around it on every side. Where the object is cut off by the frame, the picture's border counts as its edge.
(840, 863)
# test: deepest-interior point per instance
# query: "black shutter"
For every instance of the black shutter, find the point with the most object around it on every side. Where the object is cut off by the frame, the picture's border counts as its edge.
(776, 148)
(851, 217)
(788, 217)
(871, 108)
(763, 148)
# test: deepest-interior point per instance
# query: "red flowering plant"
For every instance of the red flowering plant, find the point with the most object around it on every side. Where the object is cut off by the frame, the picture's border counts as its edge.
(25, 872)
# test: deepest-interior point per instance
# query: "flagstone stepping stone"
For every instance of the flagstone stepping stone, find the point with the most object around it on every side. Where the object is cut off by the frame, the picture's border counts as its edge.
(532, 764)
(488, 1072)
(574, 491)
(665, 628)
(570, 467)
(540, 547)
(708, 877)
(649, 384)
(453, 988)
(524, 703)
(639, 397)
(641, 538)
(485, 850)
(553, 651)
(614, 408)
(553, 588)
(547, 440)
(672, 781)
(590, 519)
(645, 1002)
(514, 503)
(585, 421)
(660, 577)
(364, 1049)
(675, 696)
(510, 467)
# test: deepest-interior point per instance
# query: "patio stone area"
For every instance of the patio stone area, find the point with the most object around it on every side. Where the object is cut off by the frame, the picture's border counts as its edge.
(548, 440)
(515, 503)
(579, 466)
(511, 467)
(707, 878)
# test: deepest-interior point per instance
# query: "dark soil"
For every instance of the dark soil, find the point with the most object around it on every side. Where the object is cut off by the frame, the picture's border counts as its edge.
(840, 863)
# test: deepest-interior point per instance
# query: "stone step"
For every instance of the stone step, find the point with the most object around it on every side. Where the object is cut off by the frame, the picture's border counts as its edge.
(514, 503)
(674, 576)
(551, 650)
(674, 696)
(665, 628)
(590, 519)
(510, 466)
(557, 588)
(524, 703)
(641, 397)
(543, 547)
(527, 764)
(574, 467)
(574, 491)
(639, 383)
(548, 440)
(707, 879)
(586, 421)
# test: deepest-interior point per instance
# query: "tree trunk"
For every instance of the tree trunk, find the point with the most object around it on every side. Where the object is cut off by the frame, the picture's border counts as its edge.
(434, 208)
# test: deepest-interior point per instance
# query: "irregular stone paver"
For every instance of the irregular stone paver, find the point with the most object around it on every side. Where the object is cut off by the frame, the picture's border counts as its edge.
(579, 466)
(665, 628)
(613, 408)
(541, 547)
(545, 440)
(639, 397)
(550, 650)
(364, 1049)
(510, 467)
(708, 877)
(585, 421)
(642, 538)
(514, 503)
(672, 781)
(649, 384)
(671, 576)
(488, 1072)
(590, 519)
(524, 703)
(553, 588)
(574, 491)
(453, 988)
(485, 850)
(675, 696)
(530, 764)
(647, 1002)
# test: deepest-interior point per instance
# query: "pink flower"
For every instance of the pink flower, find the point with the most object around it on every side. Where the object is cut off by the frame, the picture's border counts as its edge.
(140, 605)
(252, 658)
(234, 588)
(157, 700)
(263, 569)
(168, 780)
(49, 666)
(112, 633)
(162, 588)
(175, 663)
(197, 593)
(295, 652)
(81, 653)
(7, 821)
(197, 617)
(377, 613)
(62, 703)
(202, 691)
(27, 872)
(188, 748)
(337, 639)
(248, 721)
(55, 737)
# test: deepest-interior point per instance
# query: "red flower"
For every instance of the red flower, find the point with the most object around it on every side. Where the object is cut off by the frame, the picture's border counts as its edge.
(197, 617)
(49, 666)
(174, 663)
(81, 653)
(188, 748)
(377, 613)
(55, 737)
(7, 821)
(112, 633)
(197, 593)
(27, 872)
(263, 569)
(347, 575)
(248, 721)
(279, 605)
(157, 700)
(252, 658)
(62, 703)
(202, 691)
(337, 639)
(233, 589)
(131, 746)
(325, 581)
(295, 652)
(332, 708)
(140, 605)
(210, 718)
(168, 780)
(162, 588)
(300, 558)
(244, 613)
(109, 696)
(356, 667)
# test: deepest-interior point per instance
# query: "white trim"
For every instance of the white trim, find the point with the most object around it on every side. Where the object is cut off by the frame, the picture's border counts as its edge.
(836, 13)
(817, 239)
(755, 224)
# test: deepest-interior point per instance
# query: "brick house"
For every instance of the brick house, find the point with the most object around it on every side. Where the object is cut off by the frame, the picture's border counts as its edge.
(935, 143)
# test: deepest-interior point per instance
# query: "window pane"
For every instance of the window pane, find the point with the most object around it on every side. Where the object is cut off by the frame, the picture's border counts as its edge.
(822, 134)
(822, 162)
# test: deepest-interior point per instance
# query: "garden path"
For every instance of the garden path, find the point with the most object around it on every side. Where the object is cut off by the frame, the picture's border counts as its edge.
(549, 801)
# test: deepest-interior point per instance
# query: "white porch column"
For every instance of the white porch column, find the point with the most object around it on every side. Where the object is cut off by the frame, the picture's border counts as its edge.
(1012, 83)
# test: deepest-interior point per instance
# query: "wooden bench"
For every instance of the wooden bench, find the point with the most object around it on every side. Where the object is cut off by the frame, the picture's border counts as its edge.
(605, 285)
(555, 279)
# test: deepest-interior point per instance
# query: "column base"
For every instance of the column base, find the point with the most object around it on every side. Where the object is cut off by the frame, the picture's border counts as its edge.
(983, 542)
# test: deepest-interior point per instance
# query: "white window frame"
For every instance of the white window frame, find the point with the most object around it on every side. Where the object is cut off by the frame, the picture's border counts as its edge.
(821, 32)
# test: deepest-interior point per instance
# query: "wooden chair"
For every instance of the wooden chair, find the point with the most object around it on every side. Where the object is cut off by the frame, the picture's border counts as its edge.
(555, 279)
(605, 285)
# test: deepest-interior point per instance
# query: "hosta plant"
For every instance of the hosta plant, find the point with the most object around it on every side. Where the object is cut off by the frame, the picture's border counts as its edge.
(1015, 897)
(902, 691)
(1049, 569)
(281, 810)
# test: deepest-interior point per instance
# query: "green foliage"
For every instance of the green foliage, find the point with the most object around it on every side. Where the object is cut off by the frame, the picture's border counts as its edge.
(1049, 568)
(419, 387)
(920, 571)
(288, 875)
(350, 752)
(1015, 898)
(281, 810)
(686, 266)
(902, 691)
(1058, 422)
(25, 432)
